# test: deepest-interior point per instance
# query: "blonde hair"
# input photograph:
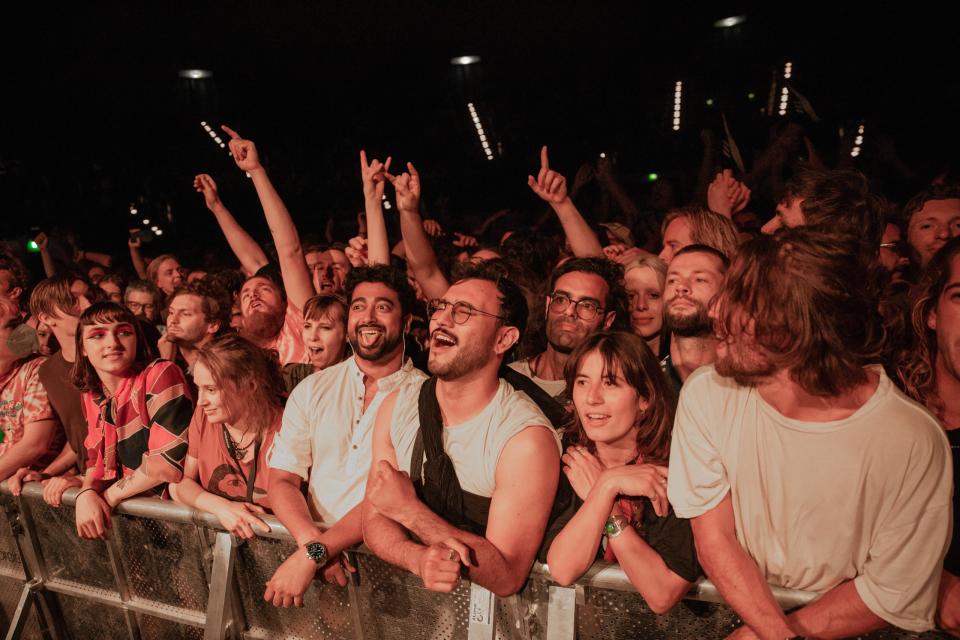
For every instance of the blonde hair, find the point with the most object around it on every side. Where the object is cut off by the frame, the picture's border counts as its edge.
(707, 227)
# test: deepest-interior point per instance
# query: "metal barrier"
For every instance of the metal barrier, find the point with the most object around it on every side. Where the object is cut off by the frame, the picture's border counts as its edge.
(168, 571)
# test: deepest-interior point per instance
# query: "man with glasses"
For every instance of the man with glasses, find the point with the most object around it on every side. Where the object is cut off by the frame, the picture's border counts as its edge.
(585, 294)
(465, 468)
(143, 298)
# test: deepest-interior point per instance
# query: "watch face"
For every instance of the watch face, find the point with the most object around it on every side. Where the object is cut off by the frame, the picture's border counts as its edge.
(316, 552)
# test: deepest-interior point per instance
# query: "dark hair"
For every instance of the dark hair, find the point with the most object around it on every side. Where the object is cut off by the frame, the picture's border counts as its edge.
(804, 290)
(702, 248)
(116, 278)
(325, 304)
(609, 271)
(533, 250)
(21, 276)
(145, 286)
(630, 354)
(85, 377)
(840, 201)
(513, 304)
(917, 366)
(214, 302)
(391, 277)
(948, 191)
(247, 374)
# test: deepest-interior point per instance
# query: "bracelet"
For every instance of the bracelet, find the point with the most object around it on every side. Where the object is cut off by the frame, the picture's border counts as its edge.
(615, 526)
(80, 493)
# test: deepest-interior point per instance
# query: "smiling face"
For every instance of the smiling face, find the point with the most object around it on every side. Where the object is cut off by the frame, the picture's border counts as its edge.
(211, 398)
(325, 337)
(111, 348)
(646, 301)
(375, 322)
(607, 405)
(930, 227)
(459, 349)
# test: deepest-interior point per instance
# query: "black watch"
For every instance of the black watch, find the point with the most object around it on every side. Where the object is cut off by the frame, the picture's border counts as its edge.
(317, 552)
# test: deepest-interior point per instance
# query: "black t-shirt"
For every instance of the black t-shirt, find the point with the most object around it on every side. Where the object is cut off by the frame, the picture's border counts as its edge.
(671, 537)
(952, 562)
(56, 377)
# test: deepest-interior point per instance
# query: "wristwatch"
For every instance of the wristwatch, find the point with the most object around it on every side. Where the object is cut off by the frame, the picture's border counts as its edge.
(316, 551)
(615, 526)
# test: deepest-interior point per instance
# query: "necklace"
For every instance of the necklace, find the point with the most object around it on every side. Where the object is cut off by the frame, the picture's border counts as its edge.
(237, 450)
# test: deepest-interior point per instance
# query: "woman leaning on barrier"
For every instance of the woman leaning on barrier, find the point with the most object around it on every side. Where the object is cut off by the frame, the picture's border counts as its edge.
(620, 442)
(137, 415)
(239, 406)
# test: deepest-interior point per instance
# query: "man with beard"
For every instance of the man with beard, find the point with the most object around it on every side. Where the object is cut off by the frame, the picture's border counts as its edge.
(196, 314)
(799, 462)
(325, 439)
(483, 460)
(693, 279)
(585, 295)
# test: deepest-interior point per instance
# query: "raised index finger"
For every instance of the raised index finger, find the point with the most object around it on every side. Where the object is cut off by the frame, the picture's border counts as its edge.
(363, 159)
(544, 160)
(230, 132)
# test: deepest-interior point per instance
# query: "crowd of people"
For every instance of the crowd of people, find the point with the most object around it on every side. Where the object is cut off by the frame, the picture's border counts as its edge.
(683, 391)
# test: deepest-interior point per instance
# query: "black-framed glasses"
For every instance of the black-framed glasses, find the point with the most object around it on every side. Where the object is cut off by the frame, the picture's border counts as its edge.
(137, 307)
(461, 311)
(586, 308)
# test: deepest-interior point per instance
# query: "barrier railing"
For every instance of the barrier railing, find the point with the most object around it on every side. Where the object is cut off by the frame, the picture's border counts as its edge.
(168, 571)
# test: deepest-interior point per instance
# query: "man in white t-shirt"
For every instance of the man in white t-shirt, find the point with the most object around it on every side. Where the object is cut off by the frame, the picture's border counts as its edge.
(325, 439)
(483, 459)
(799, 465)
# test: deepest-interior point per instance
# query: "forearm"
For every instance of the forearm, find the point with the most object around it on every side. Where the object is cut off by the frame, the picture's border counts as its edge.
(66, 459)
(648, 573)
(49, 267)
(420, 255)
(291, 508)
(103, 259)
(838, 614)
(296, 278)
(739, 581)
(378, 246)
(189, 492)
(345, 533)
(583, 241)
(130, 486)
(574, 549)
(138, 264)
(389, 541)
(22, 454)
(244, 247)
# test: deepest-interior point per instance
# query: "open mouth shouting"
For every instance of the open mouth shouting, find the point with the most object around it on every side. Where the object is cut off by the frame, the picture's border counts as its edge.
(441, 340)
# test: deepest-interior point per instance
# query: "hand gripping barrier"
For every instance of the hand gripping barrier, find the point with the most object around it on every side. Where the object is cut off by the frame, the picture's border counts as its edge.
(168, 571)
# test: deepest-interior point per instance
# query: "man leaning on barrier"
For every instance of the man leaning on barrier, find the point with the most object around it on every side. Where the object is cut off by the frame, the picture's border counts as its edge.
(799, 462)
(483, 458)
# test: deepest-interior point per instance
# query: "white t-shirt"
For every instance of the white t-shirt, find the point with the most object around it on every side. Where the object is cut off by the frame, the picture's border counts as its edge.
(866, 498)
(556, 388)
(326, 436)
(475, 445)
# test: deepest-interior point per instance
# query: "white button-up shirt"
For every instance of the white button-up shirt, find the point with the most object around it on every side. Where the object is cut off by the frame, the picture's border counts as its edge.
(327, 438)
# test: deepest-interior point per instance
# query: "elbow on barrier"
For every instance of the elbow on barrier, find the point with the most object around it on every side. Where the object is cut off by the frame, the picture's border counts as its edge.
(168, 571)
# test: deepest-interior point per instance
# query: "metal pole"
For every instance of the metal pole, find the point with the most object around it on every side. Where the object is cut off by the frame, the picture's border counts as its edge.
(219, 611)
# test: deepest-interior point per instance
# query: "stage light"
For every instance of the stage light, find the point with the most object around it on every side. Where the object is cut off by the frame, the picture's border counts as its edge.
(146, 221)
(652, 177)
(709, 102)
(159, 232)
(462, 61)
(857, 142)
(731, 21)
(788, 70)
(784, 100)
(481, 134)
(195, 74)
(677, 102)
(133, 210)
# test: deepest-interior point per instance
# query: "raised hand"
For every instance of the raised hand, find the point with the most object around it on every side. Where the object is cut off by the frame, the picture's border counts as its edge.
(582, 469)
(549, 185)
(726, 195)
(463, 240)
(407, 186)
(356, 251)
(433, 228)
(204, 184)
(373, 176)
(640, 480)
(244, 151)
(134, 240)
(42, 241)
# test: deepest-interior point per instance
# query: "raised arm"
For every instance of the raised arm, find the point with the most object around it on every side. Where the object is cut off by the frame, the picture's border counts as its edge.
(248, 252)
(526, 483)
(296, 277)
(419, 252)
(139, 265)
(372, 174)
(552, 189)
(43, 243)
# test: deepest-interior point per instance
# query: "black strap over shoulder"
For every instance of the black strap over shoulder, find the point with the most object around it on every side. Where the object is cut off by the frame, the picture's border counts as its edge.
(554, 411)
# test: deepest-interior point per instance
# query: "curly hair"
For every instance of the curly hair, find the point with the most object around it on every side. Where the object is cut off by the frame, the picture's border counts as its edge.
(628, 354)
(916, 366)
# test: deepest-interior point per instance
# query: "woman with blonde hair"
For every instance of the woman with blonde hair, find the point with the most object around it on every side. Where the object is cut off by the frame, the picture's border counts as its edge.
(644, 279)
(239, 406)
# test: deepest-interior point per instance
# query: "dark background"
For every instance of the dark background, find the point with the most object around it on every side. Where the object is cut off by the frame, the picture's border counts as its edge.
(95, 117)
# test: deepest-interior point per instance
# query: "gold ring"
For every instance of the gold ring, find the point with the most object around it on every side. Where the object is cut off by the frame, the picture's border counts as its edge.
(452, 555)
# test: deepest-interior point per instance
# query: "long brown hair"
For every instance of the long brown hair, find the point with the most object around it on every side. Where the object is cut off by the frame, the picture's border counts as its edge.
(814, 310)
(629, 354)
(247, 374)
(917, 366)
(85, 377)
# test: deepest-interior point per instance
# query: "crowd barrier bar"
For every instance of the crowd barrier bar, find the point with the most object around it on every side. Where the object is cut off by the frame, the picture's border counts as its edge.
(118, 583)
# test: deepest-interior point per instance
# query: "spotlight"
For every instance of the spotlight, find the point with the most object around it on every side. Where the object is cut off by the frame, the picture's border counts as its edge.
(677, 102)
(731, 21)
(195, 74)
(462, 61)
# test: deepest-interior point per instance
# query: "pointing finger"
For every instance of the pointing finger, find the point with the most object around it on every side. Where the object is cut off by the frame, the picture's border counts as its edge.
(230, 132)
(544, 160)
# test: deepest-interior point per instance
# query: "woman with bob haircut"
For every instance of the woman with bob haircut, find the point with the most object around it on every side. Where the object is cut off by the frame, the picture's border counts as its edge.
(239, 406)
(137, 413)
(616, 465)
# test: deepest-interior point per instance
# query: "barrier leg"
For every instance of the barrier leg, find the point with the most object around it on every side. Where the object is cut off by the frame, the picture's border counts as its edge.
(22, 614)
(352, 580)
(481, 614)
(562, 613)
(219, 609)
